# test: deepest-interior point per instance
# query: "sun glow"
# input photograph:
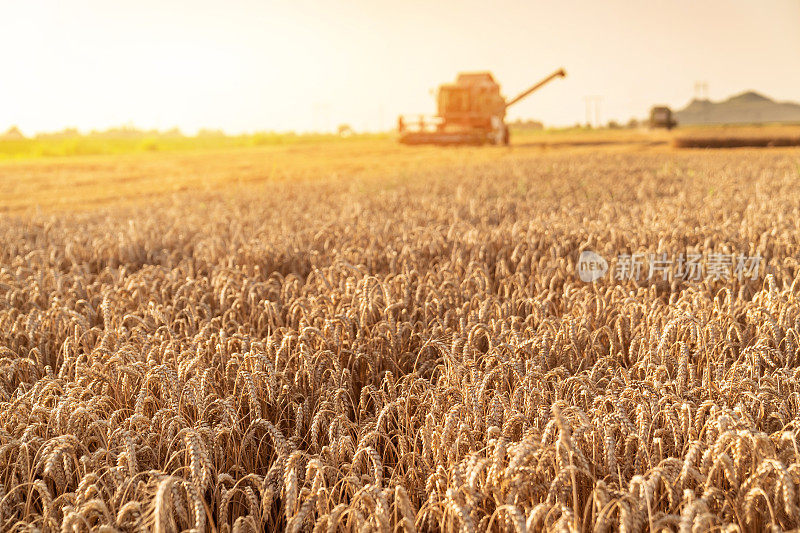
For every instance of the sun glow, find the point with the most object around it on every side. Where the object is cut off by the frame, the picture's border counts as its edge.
(249, 66)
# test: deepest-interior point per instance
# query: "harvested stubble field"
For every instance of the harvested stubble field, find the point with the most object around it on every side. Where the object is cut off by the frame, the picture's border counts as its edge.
(398, 340)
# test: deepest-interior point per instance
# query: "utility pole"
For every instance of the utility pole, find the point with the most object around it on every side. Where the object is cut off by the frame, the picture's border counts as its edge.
(701, 90)
(588, 100)
(593, 103)
(598, 103)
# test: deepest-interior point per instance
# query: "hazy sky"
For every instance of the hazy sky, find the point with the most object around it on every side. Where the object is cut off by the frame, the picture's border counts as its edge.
(246, 65)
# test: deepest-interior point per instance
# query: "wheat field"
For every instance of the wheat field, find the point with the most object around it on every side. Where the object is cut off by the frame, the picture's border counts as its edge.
(400, 342)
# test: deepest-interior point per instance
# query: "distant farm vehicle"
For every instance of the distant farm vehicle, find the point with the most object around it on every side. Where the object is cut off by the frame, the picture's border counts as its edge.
(344, 130)
(469, 111)
(661, 117)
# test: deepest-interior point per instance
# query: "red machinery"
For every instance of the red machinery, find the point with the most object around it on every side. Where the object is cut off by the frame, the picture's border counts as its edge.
(470, 111)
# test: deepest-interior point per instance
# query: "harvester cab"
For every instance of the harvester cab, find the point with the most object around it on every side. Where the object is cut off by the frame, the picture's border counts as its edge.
(469, 111)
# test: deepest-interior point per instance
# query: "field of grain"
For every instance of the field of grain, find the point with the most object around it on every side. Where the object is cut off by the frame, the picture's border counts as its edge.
(360, 337)
(763, 136)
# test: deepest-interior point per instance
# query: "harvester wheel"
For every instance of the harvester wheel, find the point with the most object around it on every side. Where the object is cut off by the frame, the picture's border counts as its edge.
(506, 135)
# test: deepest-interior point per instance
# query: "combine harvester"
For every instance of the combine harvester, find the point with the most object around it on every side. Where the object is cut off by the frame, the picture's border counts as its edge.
(470, 111)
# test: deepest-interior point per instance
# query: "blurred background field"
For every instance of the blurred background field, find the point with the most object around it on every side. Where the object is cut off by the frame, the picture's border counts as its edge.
(57, 174)
(123, 141)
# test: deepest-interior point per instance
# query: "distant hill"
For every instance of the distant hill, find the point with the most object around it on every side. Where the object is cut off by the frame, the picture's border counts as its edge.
(749, 107)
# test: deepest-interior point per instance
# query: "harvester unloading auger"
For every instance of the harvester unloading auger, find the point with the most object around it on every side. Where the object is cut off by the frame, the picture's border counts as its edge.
(470, 111)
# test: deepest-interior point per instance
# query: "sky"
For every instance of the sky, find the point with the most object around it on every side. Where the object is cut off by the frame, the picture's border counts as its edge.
(256, 65)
